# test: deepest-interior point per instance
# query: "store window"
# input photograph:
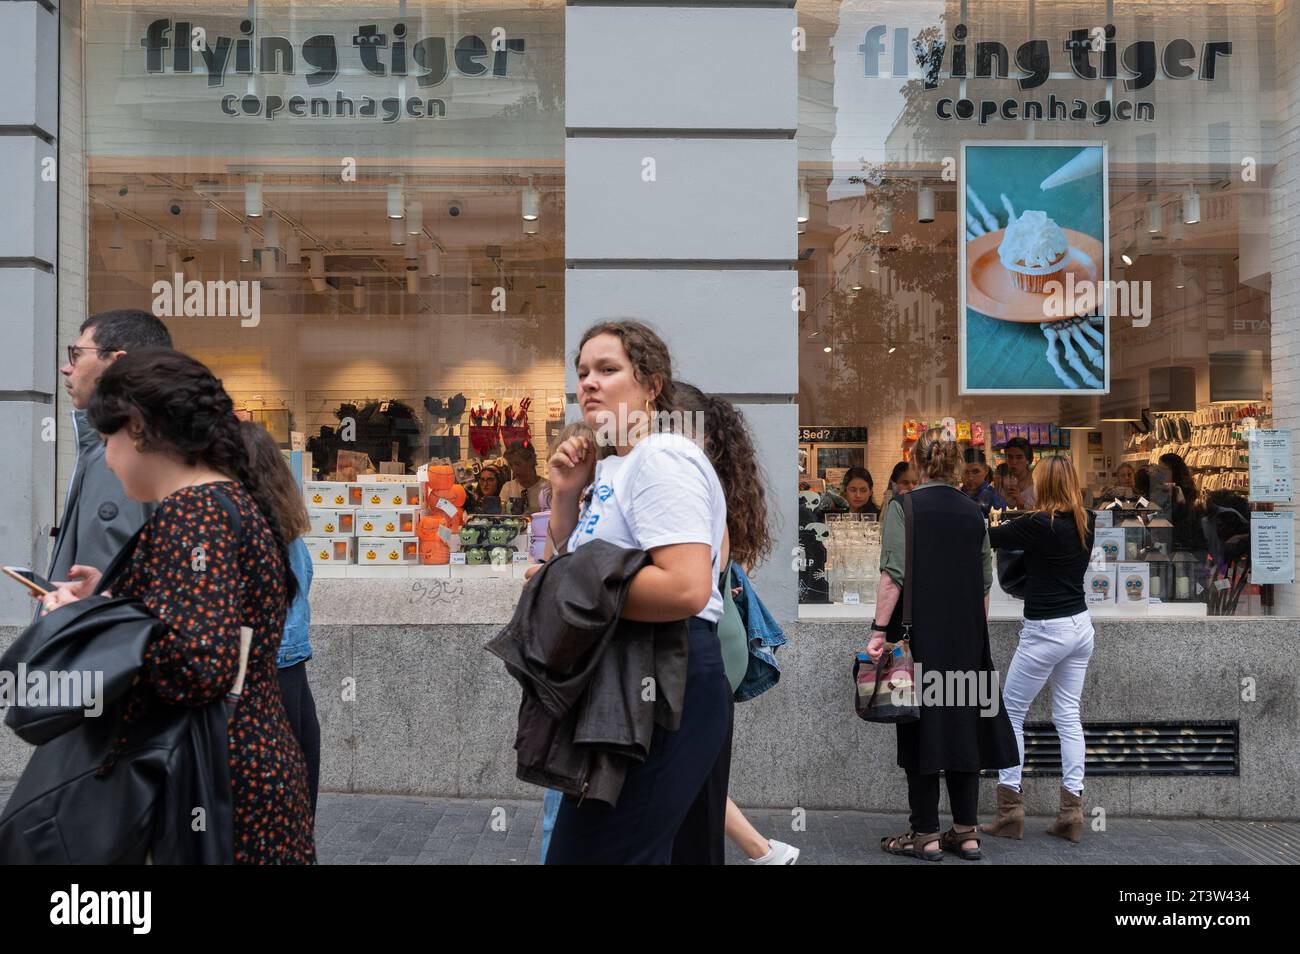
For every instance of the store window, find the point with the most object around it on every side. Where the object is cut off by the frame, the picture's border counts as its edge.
(1047, 220)
(354, 214)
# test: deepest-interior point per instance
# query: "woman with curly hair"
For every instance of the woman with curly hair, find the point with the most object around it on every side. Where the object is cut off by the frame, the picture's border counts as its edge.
(211, 563)
(726, 440)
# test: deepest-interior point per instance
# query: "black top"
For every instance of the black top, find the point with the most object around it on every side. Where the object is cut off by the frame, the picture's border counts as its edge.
(1055, 561)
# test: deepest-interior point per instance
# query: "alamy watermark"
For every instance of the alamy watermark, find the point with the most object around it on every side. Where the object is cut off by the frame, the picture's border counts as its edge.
(1122, 299)
(950, 687)
(623, 427)
(57, 689)
(211, 299)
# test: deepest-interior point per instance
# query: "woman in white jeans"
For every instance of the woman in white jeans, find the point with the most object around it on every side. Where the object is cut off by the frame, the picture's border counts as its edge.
(1055, 639)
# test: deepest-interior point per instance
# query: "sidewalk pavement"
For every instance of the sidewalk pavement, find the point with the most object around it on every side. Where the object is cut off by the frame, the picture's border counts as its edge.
(398, 829)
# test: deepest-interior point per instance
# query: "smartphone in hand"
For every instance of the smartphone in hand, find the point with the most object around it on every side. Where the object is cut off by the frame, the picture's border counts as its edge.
(29, 578)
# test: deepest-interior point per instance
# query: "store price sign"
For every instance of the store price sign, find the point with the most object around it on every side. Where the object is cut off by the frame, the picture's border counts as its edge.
(1270, 465)
(1272, 547)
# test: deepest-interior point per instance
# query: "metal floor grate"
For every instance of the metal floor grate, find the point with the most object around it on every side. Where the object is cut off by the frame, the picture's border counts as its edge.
(1140, 748)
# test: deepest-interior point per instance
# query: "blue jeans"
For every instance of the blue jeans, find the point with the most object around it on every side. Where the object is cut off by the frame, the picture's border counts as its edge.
(551, 800)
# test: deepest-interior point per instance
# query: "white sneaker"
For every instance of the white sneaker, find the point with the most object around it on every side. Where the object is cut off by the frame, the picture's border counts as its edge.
(779, 853)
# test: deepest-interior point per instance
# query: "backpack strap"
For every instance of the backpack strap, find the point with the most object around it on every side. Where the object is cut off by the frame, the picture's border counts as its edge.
(909, 562)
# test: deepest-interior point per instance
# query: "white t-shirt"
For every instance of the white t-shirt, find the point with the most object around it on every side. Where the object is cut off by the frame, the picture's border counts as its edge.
(662, 492)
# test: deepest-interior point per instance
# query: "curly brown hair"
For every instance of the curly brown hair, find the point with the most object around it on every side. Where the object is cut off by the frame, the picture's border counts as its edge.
(729, 445)
(651, 362)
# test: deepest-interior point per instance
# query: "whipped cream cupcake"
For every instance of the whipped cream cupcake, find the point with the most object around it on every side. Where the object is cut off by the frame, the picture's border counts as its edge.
(1033, 250)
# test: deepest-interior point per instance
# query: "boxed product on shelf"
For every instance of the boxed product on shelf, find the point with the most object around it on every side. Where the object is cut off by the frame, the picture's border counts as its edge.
(331, 522)
(1099, 585)
(331, 493)
(406, 493)
(387, 521)
(331, 549)
(388, 551)
(1133, 586)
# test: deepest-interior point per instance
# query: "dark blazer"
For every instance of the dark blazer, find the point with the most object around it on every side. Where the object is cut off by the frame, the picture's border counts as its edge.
(594, 684)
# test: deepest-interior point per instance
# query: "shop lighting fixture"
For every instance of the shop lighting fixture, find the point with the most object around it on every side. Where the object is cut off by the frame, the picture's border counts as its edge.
(359, 295)
(268, 262)
(855, 280)
(395, 205)
(159, 251)
(530, 228)
(293, 248)
(1144, 242)
(117, 239)
(412, 250)
(924, 203)
(246, 246)
(801, 228)
(432, 261)
(1191, 206)
(805, 203)
(1180, 275)
(271, 233)
(827, 349)
(413, 280)
(1155, 218)
(1127, 256)
(253, 199)
(316, 264)
(414, 218)
(396, 232)
(531, 203)
(892, 349)
(208, 223)
(884, 220)
(1176, 233)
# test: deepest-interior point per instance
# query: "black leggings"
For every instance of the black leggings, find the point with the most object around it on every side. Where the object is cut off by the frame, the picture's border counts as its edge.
(300, 707)
(702, 838)
(923, 798)
(659, 792)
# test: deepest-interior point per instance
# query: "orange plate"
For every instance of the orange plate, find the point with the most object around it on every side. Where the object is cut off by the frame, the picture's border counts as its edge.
(991, 291)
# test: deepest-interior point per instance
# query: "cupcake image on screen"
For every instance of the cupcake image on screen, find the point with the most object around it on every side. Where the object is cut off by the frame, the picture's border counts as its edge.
(1033, 250)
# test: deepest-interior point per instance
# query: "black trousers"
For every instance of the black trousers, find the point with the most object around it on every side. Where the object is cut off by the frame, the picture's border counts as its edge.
(703, 836)
(300, 707)
(923, 799)
(658, 793)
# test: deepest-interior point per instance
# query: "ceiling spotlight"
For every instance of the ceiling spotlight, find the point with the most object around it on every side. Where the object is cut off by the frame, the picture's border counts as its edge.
(1155, 217)
(159, 251)
(412, 250)
(359, 295)
(413, 281)
(293, 248)
(855, 281)
(1176, 228)
(432, 261)
(208, 223)
(1180, 274)
(316, 264)
(1191, 206)
(414, 218)
(884, 220)
(530, 228)
(531, 203)
(271, 233)
(246, 246)
(827, 349)
(1126, 258)
(268, 262)
(395, 204)
(253, 199)
(892, 349)
(396, 232)
(924, 203)
(117, 239)
(805, 203)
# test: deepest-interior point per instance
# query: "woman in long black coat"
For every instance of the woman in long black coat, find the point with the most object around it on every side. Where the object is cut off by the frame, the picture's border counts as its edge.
(963, 727)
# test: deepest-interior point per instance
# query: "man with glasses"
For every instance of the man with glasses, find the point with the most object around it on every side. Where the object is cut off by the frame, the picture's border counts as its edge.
(98, 517)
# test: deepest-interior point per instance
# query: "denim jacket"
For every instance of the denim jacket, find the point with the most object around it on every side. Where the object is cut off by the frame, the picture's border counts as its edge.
(295, 647)
(765, 636)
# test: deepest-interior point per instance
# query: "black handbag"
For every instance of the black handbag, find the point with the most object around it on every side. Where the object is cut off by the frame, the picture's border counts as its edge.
(1013, 573)
(164, 795)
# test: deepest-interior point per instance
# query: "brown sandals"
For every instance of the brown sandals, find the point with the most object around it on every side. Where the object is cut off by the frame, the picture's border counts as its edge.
(951, 840)
(912, 845)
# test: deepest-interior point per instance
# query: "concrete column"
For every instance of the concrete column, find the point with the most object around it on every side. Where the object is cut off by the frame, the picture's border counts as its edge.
(29, 115)
(681, 194)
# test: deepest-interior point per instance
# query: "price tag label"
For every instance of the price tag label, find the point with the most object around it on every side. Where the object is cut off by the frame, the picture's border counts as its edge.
(458, 559)
(851, 599)
(521, 557)
(446, 506)
(1221, 584)
(445, 534)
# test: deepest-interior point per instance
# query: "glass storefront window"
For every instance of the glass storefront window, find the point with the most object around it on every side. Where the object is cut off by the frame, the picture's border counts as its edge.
(955, 159)
(353, 213)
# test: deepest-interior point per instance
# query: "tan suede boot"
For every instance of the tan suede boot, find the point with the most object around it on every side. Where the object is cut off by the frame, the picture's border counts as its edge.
(1010, 822)
(1069, 821)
